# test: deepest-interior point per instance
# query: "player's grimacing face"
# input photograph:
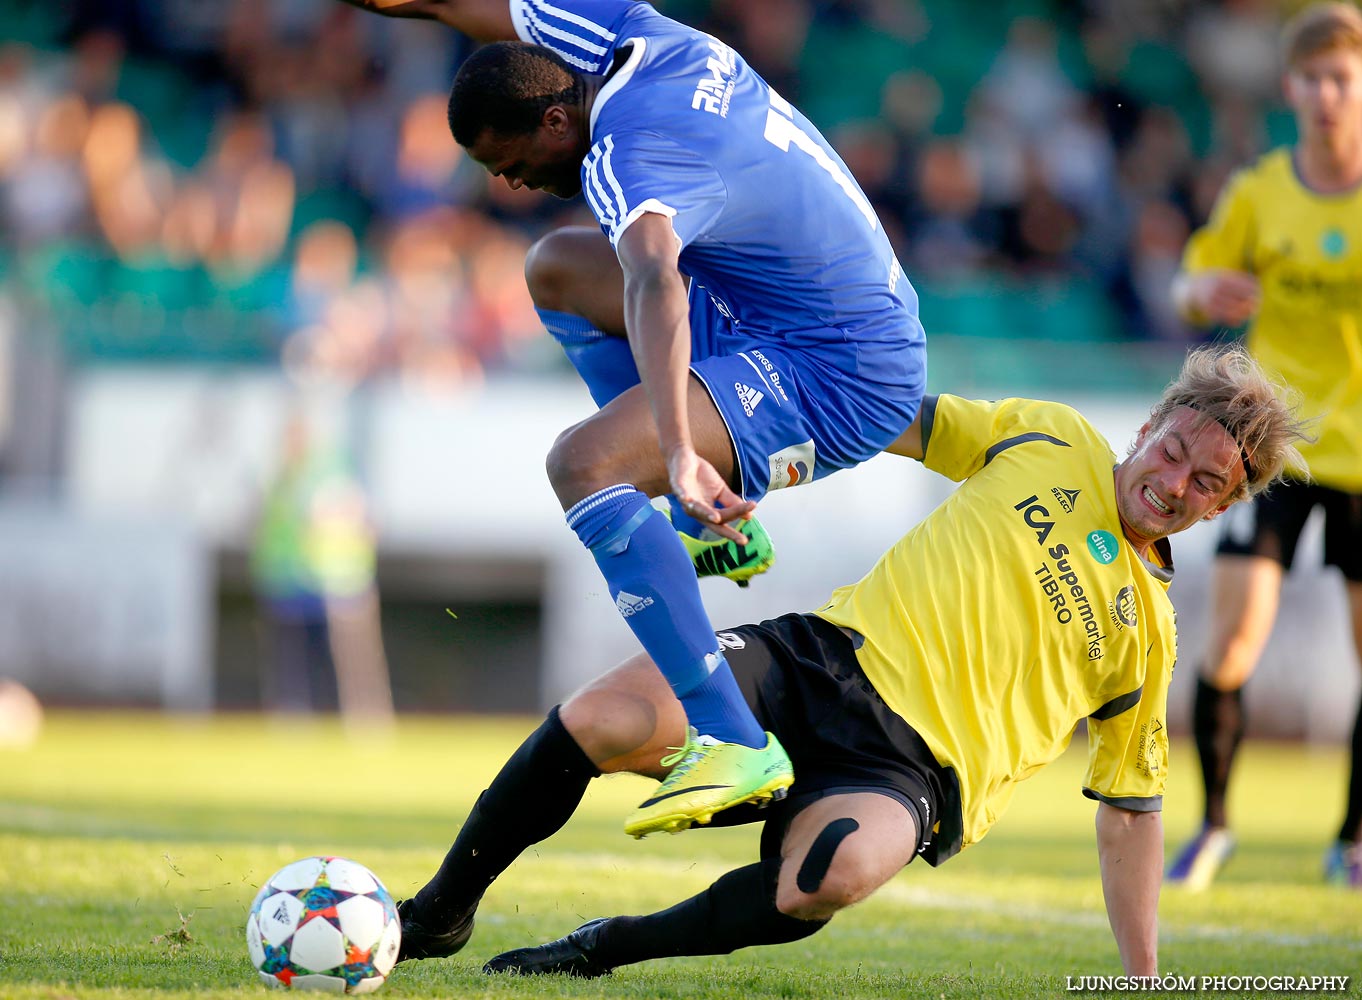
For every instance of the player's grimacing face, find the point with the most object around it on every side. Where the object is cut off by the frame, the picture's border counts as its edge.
(542, 160)
(1325, 91)
(1180, 472)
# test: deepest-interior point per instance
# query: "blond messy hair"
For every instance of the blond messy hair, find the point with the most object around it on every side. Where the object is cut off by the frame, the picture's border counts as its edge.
(1226, 385)
(1321, 27)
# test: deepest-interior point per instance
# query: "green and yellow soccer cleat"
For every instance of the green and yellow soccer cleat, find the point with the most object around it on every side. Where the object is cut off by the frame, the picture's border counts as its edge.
(714, 555)
(707, 777)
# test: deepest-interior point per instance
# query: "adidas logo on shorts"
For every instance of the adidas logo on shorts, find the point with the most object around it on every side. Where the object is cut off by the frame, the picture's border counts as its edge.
(749, 397)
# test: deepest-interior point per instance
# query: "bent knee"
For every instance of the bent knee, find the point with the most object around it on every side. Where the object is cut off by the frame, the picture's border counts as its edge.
(562, 262)
(837, 891)
(546, 275)
(832, 875)
(577, 464)
(585, 458)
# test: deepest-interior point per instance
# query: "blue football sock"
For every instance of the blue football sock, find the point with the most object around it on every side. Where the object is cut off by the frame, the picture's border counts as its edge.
(605, 363)
(717, 708)
(683, 522)
(651, 578)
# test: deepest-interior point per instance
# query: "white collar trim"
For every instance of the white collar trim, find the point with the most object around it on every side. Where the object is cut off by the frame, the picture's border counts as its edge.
(621, 77)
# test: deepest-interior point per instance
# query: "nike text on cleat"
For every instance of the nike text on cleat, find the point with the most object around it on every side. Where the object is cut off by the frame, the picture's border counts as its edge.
(1198, 863)
(708, 777)
(714, 555)
(419, 940)
(568, 956)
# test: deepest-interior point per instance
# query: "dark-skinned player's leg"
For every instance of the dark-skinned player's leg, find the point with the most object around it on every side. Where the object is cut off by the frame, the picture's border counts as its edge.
(604, 471)
(577, 286)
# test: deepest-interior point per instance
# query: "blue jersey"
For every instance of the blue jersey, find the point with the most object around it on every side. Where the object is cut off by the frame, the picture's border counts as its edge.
(771, 223)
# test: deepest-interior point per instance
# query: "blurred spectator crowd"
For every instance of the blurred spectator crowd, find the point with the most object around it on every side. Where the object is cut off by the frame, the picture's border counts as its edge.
(266, 180)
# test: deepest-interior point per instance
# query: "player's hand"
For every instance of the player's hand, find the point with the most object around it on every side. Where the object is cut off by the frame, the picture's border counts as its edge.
(705, 496)
(1224, 296)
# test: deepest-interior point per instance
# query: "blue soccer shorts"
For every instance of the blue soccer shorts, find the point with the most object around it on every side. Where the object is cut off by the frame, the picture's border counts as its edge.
(791, 418)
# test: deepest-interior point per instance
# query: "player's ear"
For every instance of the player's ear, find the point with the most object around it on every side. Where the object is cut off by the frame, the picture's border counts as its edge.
(555, 119)
(1218, 511)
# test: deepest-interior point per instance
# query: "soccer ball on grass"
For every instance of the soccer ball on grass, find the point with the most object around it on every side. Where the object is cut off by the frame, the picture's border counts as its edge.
(324, 924)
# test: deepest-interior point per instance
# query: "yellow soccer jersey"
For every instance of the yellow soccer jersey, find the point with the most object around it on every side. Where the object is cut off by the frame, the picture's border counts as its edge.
(1306, 251)
(1016, 609)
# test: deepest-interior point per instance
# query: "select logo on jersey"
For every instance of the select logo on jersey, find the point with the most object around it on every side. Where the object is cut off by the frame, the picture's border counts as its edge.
(1333, 243)
(1103, 546)
(1067, 499)
(1037, 518)
(748, 397)
(791, 466)
(1121, 610)
(631, 604)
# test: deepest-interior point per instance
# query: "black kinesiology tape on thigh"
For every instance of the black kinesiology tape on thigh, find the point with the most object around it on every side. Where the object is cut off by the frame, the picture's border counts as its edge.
(819, 859)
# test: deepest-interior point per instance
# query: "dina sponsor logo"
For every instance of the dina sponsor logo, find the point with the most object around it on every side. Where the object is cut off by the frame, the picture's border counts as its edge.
(1103, 546)
(1333, 243)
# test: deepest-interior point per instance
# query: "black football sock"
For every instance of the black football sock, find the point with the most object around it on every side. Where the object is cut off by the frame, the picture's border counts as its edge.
(1218, 723)
(737, 911)
(530, 799)
(1351, 830)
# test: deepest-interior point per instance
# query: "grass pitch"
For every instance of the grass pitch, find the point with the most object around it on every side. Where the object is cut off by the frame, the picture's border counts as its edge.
(131, 846)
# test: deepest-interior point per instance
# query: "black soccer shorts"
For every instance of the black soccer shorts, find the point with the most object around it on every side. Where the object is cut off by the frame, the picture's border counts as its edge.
(800, 675)
(1270, 525)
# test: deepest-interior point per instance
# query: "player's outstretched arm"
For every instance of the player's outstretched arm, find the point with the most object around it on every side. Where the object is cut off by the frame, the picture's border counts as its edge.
(1130, 850)
(482, 20)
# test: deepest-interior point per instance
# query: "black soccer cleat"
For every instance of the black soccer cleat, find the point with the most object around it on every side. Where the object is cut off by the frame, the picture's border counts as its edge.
(420, 941)
(568, 956)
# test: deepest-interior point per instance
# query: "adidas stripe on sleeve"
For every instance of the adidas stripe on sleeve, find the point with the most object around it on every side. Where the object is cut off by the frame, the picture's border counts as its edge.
(581, 35)
(628, 174)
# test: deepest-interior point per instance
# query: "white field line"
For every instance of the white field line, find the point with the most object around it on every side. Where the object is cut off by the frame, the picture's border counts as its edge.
(920, 897)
